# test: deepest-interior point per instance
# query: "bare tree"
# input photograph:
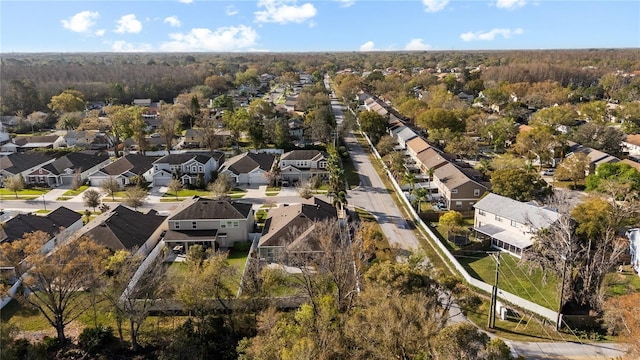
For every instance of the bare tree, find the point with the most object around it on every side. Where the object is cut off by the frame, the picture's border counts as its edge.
(132, 291)
(14, 183)
(175, 185)
(134, 197)
(222, 186)
(110, 186)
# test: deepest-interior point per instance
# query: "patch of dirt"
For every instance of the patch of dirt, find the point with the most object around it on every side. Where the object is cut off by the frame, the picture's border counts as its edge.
(72, 331)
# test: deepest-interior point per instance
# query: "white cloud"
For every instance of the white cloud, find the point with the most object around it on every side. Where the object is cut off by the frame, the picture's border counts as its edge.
(185, 1)
(123, 46)
(100, 32)
(231, 10)
(417, 44)
(128, 24)
(368, 46)
(490, 35)
(173, 21)
(346, 3)
(231, 38)
(284, 11)
(510, 4)
(81, 22)
(434, 5)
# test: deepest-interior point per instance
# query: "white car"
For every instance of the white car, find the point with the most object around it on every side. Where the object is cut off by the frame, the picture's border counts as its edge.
(547, 172)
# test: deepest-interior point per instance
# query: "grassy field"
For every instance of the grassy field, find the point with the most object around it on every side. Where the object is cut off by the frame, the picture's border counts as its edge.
(351, 176)
(515, 277)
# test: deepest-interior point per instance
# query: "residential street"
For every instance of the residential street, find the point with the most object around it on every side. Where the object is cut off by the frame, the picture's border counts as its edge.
(372, 196)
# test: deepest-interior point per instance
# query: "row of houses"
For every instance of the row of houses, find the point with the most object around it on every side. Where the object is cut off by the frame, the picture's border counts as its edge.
(189, 167)
(214, 224)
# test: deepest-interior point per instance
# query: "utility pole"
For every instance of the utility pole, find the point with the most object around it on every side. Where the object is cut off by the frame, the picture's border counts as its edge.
(564, 274)
(494, 295)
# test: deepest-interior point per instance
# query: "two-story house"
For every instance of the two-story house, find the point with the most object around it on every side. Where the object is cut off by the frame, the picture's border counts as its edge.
(297, 166)
(211, 223)
(457, 190)
(189, 168)
(510, 224)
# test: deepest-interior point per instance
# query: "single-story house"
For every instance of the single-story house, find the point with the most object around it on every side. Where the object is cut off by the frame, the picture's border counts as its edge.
(249, 168)
(124, 229)
(63, 170)
(289, 229)
(124, 169)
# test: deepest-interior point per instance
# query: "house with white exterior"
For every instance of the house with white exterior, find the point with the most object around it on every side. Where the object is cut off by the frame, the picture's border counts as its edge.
(40, 142)
(124, 170)
(211, 223)
(249, 168)
(631, 145)
(300, 165)
(634, 248)
(509, 224)
(189, 168)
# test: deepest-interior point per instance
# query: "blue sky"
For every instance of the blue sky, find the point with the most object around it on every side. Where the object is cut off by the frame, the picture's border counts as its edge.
(303, 26)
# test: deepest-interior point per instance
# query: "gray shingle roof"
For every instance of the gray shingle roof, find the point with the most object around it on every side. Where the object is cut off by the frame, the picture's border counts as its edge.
(523, 213)
(123, 228)
(18, 162)
(202, 208)
(286, 223)
(245, 163)
(136, 163)
(62, 217)
(303, 155)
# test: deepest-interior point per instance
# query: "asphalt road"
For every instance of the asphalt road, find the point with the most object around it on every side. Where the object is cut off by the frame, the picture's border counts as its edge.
(371, 195)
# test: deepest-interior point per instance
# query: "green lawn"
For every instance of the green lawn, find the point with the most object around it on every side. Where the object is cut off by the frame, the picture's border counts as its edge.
(26, 319)
(622, 283)
(42, 211)
(76, 192)
(24, 194)
(515, 277)
(187, 193)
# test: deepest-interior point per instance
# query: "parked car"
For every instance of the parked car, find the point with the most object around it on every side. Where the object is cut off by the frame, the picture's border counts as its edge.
(547, 172)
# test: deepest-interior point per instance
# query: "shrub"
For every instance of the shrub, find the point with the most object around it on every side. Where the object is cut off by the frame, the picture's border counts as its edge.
(96, 339)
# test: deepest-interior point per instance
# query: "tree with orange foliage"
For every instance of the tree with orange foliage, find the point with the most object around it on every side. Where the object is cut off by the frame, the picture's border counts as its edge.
(55, 282)
(622, 317)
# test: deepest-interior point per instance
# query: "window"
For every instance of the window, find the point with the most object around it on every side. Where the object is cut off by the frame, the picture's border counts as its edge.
(476, 192)
(223, 224)
(481, 212)
(200, 169)
(513, 223)
(194, 225)
(176, 225)
(458, 204)
(194, 168)
(454, 191)
(498, 218)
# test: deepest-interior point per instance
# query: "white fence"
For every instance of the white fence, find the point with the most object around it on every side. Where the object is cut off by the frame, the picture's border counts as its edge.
(502, 294)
